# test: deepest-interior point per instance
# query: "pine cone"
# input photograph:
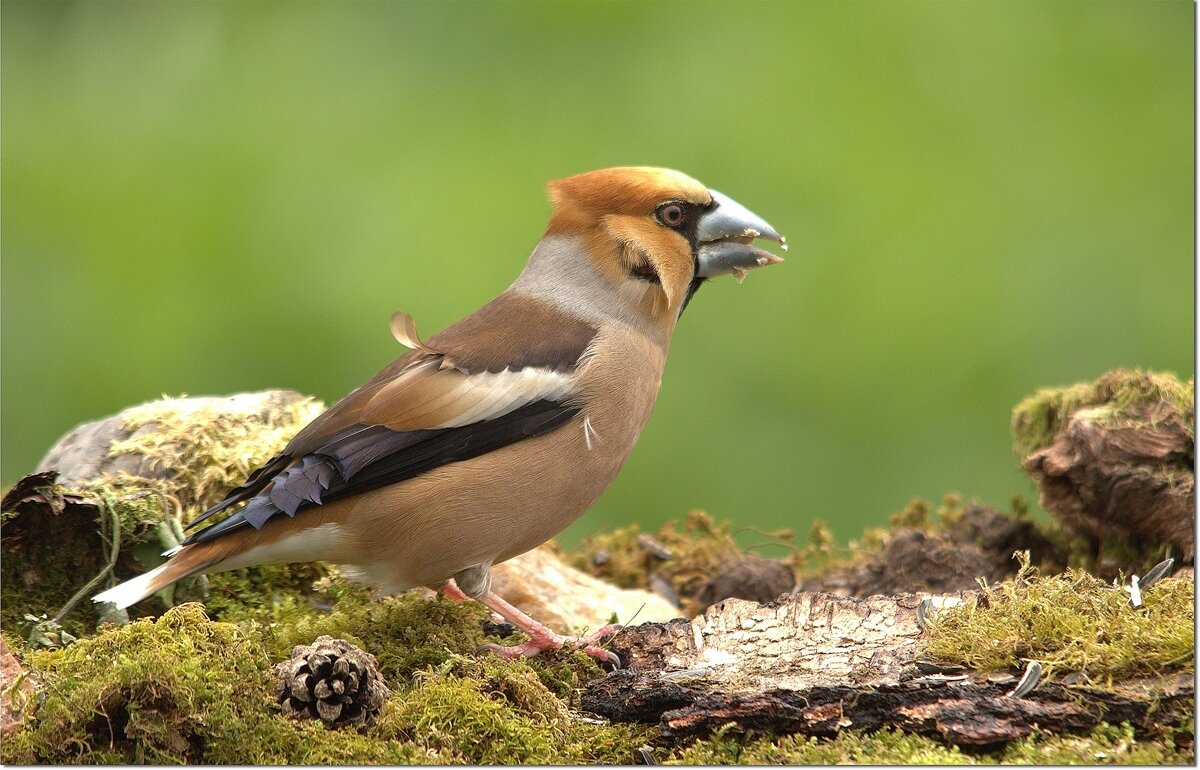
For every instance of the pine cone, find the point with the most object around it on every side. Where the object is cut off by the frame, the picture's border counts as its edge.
(331, 680)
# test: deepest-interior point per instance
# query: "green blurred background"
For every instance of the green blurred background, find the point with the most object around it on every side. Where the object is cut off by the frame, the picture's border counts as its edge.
(982, 199)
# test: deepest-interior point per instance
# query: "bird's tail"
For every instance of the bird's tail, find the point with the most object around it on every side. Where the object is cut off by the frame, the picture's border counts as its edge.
(185, 561)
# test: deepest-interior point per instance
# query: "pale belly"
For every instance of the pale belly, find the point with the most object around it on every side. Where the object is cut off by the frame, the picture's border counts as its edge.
(485, 510)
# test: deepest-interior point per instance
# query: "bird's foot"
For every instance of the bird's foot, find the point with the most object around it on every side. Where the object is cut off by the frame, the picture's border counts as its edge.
(548, 640)
(542, 638)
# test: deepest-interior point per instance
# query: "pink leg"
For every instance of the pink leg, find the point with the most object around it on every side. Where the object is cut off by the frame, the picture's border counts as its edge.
(452, 592)
(542, 638)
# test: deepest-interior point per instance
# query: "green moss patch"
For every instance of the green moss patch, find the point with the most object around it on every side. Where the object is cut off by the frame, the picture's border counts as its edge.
(405, 633)
(184, 688)
(177, 689)
(496, 712)
(198, 449)
(1104, 745)
(1072, 622)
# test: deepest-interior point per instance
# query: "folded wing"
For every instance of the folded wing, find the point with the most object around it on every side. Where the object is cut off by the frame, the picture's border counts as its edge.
(425, 410)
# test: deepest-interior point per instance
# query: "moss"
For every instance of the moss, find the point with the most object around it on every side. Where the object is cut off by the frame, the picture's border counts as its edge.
(884, 747)
(187, 689)
(566, 673)
(455, 717)
(821, 551)
(1120, 398)
(405, 633)
(203, 448)
(269, 593)
(410, 633)
(502, 715)
(1070, 623)
(914, 516)
(1105, 744)
(951, 511)
(150, 692)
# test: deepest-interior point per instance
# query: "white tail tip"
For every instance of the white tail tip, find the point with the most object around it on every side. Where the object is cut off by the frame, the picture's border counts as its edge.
(131, 591)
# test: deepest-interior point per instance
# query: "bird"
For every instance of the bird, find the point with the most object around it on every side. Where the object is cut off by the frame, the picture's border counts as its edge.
(495, 434)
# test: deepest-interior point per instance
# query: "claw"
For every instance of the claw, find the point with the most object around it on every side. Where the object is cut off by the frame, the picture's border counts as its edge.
(603, 655)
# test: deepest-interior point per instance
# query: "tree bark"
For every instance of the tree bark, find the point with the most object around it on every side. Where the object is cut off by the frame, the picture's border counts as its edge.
(815, 664)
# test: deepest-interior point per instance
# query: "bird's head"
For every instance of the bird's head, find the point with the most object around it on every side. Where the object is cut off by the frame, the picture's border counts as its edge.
(645, 238)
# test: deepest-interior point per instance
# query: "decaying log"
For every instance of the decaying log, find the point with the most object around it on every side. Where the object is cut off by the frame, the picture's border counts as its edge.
(1133, 483)
(1115, 457)
(814, 663)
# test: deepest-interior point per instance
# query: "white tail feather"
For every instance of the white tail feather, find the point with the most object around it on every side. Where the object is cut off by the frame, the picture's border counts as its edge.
(132, 590)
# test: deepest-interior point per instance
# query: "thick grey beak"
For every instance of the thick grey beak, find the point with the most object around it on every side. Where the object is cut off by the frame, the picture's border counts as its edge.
(725, 236)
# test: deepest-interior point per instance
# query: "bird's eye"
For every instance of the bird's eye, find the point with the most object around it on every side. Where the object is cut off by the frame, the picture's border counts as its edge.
(670, 214)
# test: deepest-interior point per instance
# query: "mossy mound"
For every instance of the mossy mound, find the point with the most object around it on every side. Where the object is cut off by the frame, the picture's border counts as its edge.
(187, 688)
(489, 711)
(132, 481)
(1123, 398)
(197, 449)
(177, 689)
(405, 633)
(184, 688)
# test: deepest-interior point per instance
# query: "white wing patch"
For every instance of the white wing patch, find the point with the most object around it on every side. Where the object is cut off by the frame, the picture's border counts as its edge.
(488, 395)
(433, 398)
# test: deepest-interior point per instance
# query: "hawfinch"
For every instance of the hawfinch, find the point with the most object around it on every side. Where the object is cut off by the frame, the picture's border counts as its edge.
(495, 434)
